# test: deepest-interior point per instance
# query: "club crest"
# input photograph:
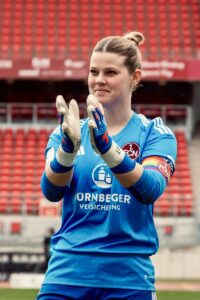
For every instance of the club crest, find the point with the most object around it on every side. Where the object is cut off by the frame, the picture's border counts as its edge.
(164, 169)
(132, 150)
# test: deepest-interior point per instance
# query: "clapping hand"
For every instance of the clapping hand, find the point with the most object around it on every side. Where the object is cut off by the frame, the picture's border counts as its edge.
(70, 124)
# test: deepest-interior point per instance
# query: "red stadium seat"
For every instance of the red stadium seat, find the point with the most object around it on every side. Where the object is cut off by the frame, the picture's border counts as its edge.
(44, 19)
(179, 190)
(3, 205)
(15, 228)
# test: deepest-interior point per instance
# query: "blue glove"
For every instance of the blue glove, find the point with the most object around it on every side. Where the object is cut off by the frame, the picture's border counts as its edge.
(102, 143)
(70, 133)
(70, 124)
(67, 144)
(101, 140)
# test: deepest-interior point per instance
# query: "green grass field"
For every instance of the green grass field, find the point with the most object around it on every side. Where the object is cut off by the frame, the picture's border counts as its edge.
(30, 294)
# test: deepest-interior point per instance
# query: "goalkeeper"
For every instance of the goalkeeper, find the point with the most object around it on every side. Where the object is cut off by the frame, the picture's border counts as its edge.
(109, 169)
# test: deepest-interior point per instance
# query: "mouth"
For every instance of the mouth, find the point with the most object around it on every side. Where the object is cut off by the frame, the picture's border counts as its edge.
(101, 91)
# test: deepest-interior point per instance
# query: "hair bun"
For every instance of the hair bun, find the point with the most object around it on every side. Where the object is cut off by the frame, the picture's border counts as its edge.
(136, 37)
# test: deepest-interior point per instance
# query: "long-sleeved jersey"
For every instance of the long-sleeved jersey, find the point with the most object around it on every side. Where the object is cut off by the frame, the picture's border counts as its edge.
(107, 236)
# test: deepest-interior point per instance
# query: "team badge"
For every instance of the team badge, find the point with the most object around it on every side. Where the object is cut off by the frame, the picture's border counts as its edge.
(132, 150)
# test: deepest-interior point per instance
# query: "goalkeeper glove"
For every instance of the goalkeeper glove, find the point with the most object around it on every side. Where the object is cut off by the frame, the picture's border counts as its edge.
(70, 133)
(102, 143)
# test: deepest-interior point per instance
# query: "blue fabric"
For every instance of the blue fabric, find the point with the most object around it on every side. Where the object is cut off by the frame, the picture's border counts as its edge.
(62, 292)
(58, 168)
(51, 192)
(149, 187)
(125, 166)
(67, 144)
(107, 236)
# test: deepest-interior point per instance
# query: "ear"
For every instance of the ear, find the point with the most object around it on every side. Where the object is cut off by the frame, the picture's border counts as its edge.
(137, 76)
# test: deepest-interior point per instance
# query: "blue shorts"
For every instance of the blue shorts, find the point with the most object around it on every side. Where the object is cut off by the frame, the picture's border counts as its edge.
(68, 292)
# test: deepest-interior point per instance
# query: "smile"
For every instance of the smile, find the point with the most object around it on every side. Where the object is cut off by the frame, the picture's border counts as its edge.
(101, 90)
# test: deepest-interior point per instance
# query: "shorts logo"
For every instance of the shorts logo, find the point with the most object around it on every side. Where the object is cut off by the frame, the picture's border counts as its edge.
(102, 176)
(132, 150)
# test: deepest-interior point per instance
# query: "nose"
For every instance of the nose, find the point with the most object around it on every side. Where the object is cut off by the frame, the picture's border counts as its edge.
(100, 78)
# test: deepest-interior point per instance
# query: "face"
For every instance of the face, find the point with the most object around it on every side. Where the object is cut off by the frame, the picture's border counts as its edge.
(109, 80)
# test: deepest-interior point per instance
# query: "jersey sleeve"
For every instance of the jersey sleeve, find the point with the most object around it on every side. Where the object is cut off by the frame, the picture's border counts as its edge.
(161, 142)
(53, 143)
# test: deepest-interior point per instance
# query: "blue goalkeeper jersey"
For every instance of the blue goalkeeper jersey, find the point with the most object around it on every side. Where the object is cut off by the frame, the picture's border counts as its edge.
(107, 236)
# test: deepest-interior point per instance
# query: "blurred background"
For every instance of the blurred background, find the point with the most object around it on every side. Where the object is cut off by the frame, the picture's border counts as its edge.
(45, 46)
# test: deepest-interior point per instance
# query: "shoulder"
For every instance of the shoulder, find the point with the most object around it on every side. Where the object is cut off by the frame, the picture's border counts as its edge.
(159, 139)
(160, 127)
(155, 126)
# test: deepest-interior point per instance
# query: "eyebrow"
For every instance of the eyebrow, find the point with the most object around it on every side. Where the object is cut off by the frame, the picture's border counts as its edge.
(106, 69)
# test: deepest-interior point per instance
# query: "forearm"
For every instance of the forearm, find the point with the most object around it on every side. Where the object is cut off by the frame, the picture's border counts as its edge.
(58, 174)
(51, 191)
(53, 184)
(149, 187)
(130, 178)
(59, 169)
(59, 179)
(145, 185)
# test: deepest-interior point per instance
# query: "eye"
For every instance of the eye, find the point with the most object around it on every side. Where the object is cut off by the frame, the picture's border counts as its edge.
(111, 72)
(93, 72)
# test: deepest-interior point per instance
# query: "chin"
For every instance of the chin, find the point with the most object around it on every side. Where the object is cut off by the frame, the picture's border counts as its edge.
(102, 97)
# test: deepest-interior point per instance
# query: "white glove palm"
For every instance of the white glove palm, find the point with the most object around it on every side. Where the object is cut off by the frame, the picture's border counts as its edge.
(70, 123)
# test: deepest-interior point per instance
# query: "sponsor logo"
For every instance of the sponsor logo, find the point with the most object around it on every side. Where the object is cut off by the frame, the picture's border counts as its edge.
(132, 150)
(102, 176)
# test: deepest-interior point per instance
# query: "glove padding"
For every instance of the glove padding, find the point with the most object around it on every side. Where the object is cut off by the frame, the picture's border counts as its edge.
(70, 124)
(100, 140)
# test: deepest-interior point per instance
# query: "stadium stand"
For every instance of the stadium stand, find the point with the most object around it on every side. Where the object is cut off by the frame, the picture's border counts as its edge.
(49, 42)
(56, 29)
(178, 197)
(22, 164)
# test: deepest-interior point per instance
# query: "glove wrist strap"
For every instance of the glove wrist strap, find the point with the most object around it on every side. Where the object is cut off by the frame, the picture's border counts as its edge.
(114, 155)
(64, 158)
(117, 160)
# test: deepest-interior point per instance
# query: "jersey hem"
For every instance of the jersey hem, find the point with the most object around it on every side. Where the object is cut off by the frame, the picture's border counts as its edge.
(97, 285)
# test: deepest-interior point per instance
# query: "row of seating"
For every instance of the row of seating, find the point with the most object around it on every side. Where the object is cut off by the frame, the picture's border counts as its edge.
(21, 172)
(22, 163)
(45, 28)
(47, 112)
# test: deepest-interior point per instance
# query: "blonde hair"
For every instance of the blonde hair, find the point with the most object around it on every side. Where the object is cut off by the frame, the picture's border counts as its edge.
(125, 45)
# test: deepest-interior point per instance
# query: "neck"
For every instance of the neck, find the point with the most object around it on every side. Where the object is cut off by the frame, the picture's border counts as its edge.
(116, 120)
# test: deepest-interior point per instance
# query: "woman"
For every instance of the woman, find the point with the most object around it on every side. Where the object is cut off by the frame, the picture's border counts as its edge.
(109, 169)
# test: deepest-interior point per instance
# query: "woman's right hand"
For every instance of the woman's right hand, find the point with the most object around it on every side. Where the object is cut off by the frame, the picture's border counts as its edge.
(70, 124)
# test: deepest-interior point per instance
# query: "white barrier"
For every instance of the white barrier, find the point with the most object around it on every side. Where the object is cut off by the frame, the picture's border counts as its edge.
(26, 280)
(177, 263)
